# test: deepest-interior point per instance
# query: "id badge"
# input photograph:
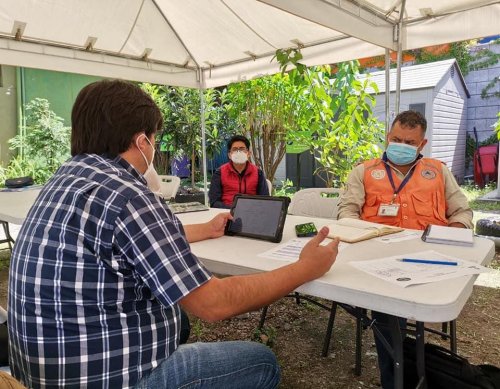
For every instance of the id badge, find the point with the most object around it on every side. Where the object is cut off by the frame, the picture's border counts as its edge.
(388, 210)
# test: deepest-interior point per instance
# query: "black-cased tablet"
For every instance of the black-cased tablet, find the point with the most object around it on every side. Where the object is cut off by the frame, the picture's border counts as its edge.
(259, 217)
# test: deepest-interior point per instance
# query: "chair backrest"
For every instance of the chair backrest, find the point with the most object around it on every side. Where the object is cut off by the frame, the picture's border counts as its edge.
(318, 202)
(269, 186)
(169, 186)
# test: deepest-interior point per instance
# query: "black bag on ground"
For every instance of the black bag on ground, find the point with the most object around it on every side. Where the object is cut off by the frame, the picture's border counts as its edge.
(18, 182)
(4, 345)
(445, 369)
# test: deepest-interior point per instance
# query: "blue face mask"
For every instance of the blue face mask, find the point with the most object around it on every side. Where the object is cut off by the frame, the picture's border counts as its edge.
(400, 153)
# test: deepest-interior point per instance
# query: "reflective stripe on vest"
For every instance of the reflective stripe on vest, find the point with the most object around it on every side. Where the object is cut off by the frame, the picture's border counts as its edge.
(422, 200)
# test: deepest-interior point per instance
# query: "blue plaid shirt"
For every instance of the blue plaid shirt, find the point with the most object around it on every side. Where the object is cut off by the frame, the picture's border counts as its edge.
(96, 273)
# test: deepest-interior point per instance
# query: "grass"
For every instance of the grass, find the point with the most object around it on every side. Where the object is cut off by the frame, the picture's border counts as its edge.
(482, 209)
(473, 193)
(4, 258)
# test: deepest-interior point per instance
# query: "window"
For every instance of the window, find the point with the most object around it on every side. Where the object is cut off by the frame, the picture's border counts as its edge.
(420, 108)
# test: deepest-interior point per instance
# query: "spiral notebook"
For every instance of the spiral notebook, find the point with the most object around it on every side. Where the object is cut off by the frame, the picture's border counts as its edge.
(448, 235)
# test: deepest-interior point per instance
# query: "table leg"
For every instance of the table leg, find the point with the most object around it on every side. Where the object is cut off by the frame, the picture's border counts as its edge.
(420, 354)
(388, 333)
(397, 348)
(359, 337)
(8, 238)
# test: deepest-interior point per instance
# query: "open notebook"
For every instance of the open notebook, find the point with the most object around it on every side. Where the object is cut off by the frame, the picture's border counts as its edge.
(355, 230)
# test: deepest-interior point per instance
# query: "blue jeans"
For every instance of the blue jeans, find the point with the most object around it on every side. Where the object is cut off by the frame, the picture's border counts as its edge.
(216, 365)
(385, 362)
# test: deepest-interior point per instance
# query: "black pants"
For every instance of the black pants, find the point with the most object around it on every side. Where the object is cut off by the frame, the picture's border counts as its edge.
(4, 345)
(185, 327)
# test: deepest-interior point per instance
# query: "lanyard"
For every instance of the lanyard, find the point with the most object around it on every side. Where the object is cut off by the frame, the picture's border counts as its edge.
(391, 179)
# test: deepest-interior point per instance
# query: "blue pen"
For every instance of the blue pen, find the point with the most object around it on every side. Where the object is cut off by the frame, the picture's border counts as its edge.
(429, 261)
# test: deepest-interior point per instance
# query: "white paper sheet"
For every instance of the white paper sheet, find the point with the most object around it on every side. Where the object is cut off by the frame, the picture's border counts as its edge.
(290, 251)
(405, 274)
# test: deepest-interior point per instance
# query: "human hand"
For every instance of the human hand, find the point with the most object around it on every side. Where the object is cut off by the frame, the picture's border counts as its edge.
(216, 226)
(318, 259)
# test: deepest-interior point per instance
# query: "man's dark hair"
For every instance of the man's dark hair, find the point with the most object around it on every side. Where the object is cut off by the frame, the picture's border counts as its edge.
(411, 119)
(107, 114)
(238, 138)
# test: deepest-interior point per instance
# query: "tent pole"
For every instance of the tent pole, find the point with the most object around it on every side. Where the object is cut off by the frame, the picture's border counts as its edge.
(203, 139)
(400, 54)
(387, 90)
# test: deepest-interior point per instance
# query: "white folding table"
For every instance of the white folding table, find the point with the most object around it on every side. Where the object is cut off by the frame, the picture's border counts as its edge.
(435, 302)
(14, 207)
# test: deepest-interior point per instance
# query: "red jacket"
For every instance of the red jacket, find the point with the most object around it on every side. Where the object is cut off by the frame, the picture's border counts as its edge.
(227, 182)
(233, 183)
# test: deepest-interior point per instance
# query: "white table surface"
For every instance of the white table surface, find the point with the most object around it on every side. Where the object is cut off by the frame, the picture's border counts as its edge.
(14, 205)
(433, 302)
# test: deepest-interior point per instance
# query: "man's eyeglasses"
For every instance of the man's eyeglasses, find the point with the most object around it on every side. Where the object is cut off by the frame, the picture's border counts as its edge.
(235, 149)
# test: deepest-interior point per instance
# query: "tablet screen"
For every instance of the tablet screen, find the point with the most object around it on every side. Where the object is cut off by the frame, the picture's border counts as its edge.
(260, 217)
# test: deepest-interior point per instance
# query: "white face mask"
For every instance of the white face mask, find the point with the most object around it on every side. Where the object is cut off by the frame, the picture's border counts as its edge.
(150, 174)
(239, 157)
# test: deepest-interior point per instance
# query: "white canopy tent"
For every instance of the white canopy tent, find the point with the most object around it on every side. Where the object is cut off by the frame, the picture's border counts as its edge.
(208, 43)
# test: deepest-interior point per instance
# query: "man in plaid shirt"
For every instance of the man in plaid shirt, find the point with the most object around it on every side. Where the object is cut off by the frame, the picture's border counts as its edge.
(101, 267)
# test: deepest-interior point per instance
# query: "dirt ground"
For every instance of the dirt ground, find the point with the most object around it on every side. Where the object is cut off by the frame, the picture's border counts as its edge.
(297, 333)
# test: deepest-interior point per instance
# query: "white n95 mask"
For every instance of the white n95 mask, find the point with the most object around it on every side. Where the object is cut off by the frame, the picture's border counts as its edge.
(150, 174)
(239, 157)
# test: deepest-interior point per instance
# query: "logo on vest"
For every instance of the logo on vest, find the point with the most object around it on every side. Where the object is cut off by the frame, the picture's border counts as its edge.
(378, 174)
(428, 174)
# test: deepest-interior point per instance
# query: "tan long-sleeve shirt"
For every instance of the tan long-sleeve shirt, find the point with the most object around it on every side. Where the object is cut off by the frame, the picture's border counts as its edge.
(353, 199)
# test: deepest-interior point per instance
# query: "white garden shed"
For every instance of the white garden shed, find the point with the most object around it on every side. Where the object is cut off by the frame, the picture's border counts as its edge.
(438, 91)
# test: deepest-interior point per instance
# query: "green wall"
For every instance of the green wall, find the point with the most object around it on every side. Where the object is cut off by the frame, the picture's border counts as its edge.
(59, 88)
(19, 86)
(8, 107)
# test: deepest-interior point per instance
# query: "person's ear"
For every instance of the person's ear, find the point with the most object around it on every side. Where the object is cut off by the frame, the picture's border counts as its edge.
(140, 141)
(422, 145)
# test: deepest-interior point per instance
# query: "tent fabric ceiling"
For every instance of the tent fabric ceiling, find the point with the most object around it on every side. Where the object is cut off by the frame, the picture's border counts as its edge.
(208, 43)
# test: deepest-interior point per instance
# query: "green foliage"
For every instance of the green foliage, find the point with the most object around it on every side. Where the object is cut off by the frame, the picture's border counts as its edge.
(474, 192)
(43, 148)
(470, 146)
(496, 126)
(265, 335)
(285, 189)
(196, 328)
(336, 120)
(458, 50)
(4, 259)
(181, 112)
(265, 109)
(484, 58)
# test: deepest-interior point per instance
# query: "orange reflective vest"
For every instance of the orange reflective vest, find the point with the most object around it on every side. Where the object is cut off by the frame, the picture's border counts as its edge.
(422, 200)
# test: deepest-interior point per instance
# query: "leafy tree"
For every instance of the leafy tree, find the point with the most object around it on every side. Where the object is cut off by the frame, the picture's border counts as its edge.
(337, 121)
(265, 109)
(45, 145)
(180, 108)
